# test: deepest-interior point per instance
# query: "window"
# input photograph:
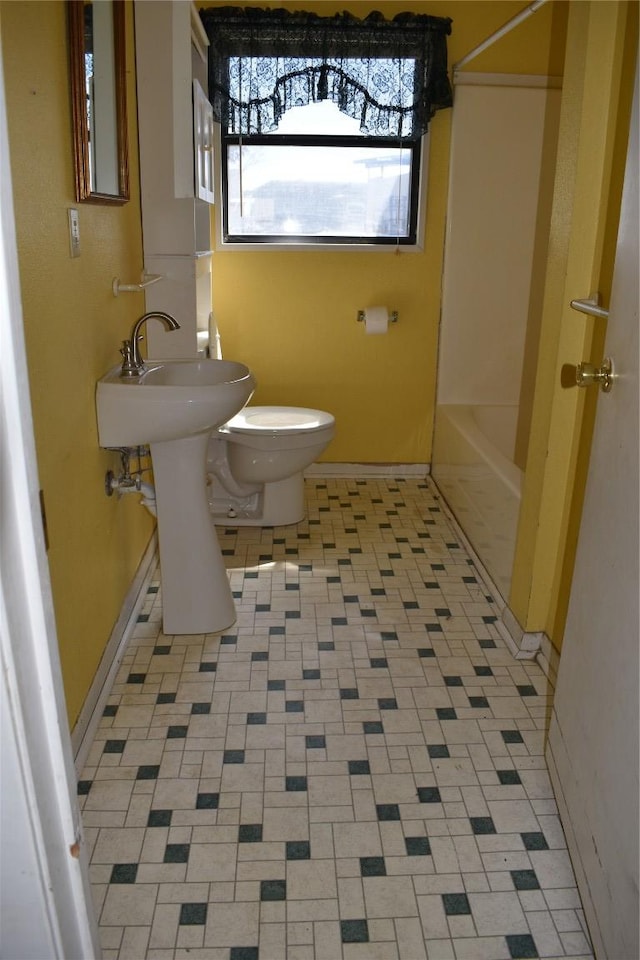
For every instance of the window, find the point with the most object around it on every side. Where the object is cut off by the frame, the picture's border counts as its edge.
(319, 179)
(322, 120)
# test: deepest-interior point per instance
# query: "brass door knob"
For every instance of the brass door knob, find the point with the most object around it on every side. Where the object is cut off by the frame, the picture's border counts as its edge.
(587, 374)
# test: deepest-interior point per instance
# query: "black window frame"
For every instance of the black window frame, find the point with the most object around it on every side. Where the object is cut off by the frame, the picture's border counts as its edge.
(413, 145)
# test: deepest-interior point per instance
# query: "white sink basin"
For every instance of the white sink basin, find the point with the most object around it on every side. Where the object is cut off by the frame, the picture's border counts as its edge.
(171, 400)
(172, 407)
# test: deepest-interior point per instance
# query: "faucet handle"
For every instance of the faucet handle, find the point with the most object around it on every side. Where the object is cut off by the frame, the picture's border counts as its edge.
(128, 364)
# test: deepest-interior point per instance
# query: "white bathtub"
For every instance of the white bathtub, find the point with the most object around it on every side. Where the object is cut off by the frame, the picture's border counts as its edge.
(472, 465)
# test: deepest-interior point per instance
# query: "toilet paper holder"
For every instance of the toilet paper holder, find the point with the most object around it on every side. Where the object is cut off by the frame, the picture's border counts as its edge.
(393, 316)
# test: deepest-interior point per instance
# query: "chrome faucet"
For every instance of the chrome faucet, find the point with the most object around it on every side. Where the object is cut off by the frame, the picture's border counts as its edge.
(132, 362)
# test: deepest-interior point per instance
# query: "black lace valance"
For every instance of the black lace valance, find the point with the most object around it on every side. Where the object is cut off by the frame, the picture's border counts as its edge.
(391, 75)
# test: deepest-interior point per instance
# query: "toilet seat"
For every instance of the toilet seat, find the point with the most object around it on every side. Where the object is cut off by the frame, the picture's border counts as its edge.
(277, 421)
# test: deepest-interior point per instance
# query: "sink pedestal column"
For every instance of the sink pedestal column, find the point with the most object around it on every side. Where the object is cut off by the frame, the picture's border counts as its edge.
(196, 596)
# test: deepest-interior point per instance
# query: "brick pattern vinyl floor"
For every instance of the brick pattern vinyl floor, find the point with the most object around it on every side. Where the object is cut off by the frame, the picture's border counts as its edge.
(354, 771)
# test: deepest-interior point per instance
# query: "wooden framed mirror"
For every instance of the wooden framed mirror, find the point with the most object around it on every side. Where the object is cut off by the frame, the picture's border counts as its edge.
(98, 98)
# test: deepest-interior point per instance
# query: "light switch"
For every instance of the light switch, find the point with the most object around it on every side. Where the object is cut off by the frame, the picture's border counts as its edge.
(74, 232)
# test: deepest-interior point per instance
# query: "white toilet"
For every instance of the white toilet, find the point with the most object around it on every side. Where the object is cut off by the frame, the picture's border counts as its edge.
(255, 464)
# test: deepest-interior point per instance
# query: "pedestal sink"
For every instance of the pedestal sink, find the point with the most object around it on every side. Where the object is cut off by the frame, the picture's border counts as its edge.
(173, 406)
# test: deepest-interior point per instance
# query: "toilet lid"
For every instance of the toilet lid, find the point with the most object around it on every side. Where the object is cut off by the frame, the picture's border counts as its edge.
(262, 420)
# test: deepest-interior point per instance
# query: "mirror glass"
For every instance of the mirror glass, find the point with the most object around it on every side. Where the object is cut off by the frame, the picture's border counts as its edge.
(97, 52)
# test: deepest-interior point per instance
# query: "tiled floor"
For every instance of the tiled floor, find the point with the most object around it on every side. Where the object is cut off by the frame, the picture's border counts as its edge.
(354, 771)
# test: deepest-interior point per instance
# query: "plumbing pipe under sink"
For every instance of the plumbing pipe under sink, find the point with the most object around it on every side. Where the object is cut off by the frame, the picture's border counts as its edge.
(140, 486)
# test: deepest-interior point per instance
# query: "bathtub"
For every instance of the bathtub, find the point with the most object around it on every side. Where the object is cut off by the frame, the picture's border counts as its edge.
(472, 465)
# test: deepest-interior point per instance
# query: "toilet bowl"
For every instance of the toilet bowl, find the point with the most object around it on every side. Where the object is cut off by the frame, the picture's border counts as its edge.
(255, 463)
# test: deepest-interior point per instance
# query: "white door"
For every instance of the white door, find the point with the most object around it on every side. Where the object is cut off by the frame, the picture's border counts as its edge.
(593, 737)
(46, 910)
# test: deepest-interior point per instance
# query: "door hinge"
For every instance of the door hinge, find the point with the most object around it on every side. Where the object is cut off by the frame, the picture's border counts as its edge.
(43, 514)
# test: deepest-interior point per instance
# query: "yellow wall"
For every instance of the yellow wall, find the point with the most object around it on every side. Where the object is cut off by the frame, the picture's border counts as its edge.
(292, 315)
(73, 328)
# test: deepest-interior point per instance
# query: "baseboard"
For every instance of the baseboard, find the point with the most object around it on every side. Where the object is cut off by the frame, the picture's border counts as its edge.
(84, 731)
(548, 660)
(354, 470)
(528, 643)
(523, 645)
(556, 757)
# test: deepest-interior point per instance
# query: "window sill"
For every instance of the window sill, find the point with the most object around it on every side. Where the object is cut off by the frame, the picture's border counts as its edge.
(320, 247)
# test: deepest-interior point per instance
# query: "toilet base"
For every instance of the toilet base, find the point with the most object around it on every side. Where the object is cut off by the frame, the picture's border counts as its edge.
(279, 503)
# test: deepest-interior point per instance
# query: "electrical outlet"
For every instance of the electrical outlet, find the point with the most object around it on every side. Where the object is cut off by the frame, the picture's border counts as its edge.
(74, 232)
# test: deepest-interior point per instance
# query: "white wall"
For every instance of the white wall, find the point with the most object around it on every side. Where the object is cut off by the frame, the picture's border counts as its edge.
(498, 133)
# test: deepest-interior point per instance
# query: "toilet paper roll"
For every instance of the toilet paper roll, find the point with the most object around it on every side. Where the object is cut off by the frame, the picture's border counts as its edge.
(376, 320)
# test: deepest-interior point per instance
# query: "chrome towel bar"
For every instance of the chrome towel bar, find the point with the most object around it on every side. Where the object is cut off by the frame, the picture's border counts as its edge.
(147, 280)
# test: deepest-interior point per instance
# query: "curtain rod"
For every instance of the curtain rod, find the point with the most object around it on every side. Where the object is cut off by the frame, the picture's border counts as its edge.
(505, 28)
